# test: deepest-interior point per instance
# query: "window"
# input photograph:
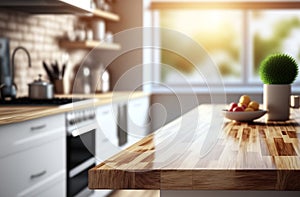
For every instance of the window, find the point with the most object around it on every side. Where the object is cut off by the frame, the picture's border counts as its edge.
(273, 31)
(236, 40)
(219, 32)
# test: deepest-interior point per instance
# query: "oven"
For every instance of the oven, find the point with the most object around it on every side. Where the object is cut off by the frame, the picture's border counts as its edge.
(81, 131)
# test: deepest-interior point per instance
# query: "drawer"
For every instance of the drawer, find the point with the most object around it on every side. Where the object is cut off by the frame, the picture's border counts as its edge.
(57, 190)
(24, 172)
(21, 136)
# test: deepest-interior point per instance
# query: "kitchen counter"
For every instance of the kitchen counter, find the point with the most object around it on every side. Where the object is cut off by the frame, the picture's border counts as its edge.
(14, 114)
(203, 151)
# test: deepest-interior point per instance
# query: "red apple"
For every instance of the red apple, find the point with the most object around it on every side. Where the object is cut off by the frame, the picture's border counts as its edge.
(242, 106)
(236, 109)
(232, 105)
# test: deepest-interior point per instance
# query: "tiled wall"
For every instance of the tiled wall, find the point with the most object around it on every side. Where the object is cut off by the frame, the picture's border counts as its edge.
(39, 34)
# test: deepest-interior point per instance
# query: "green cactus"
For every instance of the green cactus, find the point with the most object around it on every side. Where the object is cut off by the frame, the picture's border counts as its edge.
(278, 69)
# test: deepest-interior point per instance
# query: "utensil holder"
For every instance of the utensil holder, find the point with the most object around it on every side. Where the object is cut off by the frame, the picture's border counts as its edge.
(59, 86)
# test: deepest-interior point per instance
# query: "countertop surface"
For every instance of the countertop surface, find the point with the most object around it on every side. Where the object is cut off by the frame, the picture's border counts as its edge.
(14, 114)
(203, 150)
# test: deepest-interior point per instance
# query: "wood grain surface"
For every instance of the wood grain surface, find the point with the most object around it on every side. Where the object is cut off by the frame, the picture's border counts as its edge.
(202, 150)
(14, 114)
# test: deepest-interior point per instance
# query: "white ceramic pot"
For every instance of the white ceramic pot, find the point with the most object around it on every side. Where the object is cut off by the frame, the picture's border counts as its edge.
(99, 30)
(277, 101)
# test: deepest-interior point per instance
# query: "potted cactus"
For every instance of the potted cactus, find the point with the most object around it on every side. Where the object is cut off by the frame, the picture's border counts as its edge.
(278, 72)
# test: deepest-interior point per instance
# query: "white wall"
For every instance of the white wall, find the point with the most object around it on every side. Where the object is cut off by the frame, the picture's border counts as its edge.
(40, 35)
(126, 71)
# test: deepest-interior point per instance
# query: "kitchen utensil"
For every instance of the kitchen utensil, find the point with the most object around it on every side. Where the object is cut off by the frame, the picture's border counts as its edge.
(64, 60)
(63, 70)
(39, 89)
(55, 70)
(244, 116)
(48, 71)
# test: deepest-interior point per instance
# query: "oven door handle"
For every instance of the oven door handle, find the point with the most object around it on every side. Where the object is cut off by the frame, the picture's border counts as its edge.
(82, 130)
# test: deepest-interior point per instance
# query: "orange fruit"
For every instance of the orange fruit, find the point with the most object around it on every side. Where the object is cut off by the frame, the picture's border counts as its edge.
(245, 99)
(254, 105)
(249, 109)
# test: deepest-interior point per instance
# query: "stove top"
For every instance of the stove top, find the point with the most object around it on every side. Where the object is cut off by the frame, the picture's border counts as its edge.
(38, 102)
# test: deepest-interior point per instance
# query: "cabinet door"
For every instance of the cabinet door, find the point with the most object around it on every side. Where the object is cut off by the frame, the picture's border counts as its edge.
(27, 172)
(138, 119)
(56, 190)
(106, 134)
(22, 136)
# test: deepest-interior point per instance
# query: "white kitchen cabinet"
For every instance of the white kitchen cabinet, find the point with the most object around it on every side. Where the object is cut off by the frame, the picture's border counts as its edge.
(107, 132)
(21, 136)
(32, 157)
(138, 119)
(119, 122)
(53, 190)
(106, 137)
(120, 125)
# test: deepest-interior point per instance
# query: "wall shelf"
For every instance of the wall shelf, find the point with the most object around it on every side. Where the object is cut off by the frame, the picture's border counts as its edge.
(96, 13)
(90, 44)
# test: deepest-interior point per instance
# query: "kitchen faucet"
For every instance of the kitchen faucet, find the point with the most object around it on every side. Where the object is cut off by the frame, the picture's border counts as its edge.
(13, 60)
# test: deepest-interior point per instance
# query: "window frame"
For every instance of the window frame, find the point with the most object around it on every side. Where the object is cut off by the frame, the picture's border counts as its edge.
(247, 81)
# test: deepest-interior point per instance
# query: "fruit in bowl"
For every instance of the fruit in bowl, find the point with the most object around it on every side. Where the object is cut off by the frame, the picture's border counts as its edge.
(249, 109)
(244, 110)
(245, 100)
(245, 104)
(253, 105)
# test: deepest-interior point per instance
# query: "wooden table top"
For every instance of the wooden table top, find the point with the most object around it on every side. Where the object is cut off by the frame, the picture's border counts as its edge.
(203, 150)
(14, 114)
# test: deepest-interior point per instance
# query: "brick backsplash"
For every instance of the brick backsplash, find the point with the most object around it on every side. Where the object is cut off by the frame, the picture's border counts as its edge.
(39, 34)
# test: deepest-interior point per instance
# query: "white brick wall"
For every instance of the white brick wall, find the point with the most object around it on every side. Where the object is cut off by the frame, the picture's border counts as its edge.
(40, 35)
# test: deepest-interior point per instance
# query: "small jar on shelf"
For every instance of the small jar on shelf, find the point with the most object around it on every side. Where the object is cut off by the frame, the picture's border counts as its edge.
(99, 30)
(103, 5)
(89, 34)
(80, 32)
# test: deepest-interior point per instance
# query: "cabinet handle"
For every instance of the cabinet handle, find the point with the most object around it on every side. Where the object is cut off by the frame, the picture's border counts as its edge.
(105, 112)
(37, 175)
(37, 127)
(137, 104)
